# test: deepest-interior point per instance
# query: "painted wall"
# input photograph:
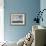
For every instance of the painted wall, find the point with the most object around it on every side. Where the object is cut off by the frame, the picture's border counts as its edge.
(43, 6)
(29, 8)
(1, 21)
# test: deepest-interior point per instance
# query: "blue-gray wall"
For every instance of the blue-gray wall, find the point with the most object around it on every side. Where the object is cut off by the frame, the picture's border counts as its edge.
(29, 8)
(43, 6)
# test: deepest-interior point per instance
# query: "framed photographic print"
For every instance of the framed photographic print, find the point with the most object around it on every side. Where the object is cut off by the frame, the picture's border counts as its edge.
(17, 19)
